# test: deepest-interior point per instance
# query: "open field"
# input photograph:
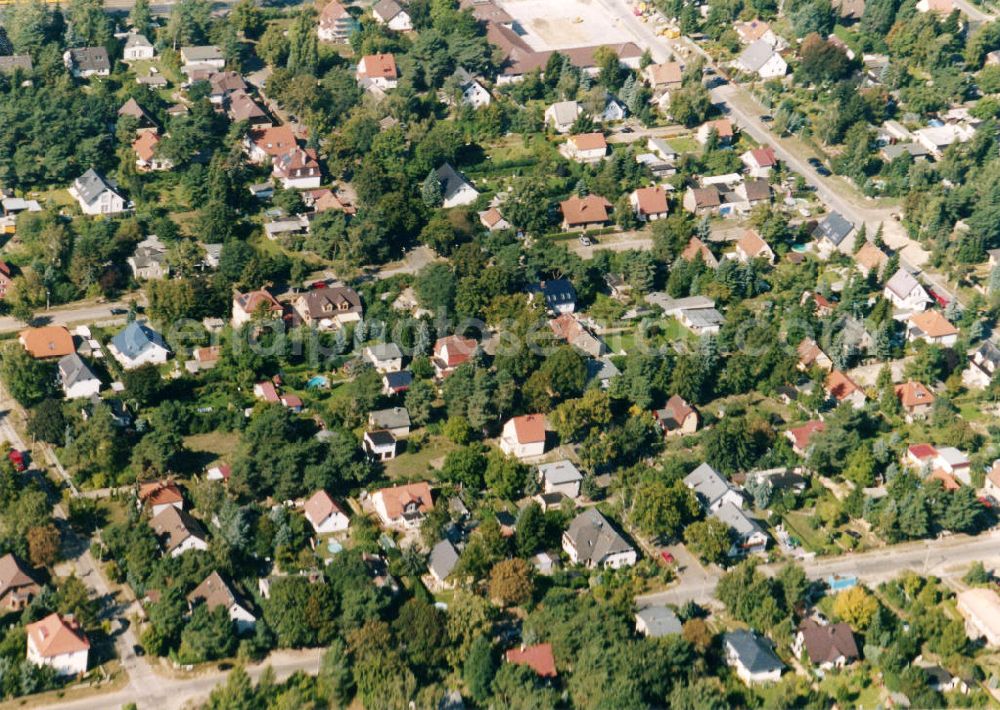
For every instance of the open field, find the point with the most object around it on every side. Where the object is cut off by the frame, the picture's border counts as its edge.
(564, 24)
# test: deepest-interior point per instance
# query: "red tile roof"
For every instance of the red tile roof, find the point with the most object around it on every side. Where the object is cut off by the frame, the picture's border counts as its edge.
(320, 507)
(591, 209)
(47, 341)
(275, 141)
(145, 145)
(651, 200)
(529, 428)
(538, 657)
(55, 636)
(840, 386)
(933, 324)
(160, 493)
(914, 394)
(589, 141)
(802, 435)
(378, 65)
(397, 498)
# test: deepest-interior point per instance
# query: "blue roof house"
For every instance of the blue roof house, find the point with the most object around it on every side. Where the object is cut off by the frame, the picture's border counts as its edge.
(138, 345)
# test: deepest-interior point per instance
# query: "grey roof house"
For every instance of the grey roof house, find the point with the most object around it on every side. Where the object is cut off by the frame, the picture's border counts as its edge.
(592, 541)
(76, 378)
(833, 229)
(712, 489)
(657, 621)
(559, 294)
(442, 561)
(138, 344)
(394, 419)
(752, 656)
(84, 62)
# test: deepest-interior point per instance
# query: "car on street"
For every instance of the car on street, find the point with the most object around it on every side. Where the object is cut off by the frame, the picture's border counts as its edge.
(18, 459)
(767, 118)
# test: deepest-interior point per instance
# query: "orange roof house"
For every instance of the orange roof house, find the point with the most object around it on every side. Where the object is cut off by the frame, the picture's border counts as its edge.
(403, 505)
(589, 211)
(524, 436)
(649, 202)
(58, 642)
(915, 397)
(870, 258)
(160, 494)
(47, 341)
(697, 248)
(843, 389)
(538, 657)
(801, 436)
(752, 246)
(932, 327)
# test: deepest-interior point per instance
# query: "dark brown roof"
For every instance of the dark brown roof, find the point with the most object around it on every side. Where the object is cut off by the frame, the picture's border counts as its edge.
(825, 644)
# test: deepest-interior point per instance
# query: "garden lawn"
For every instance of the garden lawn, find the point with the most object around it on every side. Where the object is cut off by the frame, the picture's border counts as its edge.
(420, 466)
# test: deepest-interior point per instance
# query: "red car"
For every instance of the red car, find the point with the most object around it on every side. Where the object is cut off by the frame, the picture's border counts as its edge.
(18, 459)
(667, 557)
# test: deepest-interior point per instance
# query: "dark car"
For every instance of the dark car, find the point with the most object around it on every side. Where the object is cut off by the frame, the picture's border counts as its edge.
(119, 311)
(138, 650)
(626, 129)
(815, 162)
(767, 118)
(822, 170)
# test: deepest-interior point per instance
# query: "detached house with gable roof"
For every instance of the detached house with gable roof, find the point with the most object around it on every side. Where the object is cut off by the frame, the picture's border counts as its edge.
(931, 327)
(391, 14)
(450, 352)
(97, 195)
(377, 70)
(585, 148)
(560, 477)
(85, 62)
(138, 345)
(591, 540)
(137, 48)
(329, 307)
(335, 23)
(247, 306)
(403, 506)
(324, 514)
(677, 417)
(47, 341)
(561, 115)
(712, 489)
(456, 190)
(828, 646)
(215, 592)
(984, 361)
(178, 531)
(903, 291)
(524, 437)
(590, 212)
(752, 656)
(649, 203)
(77, 380)
(298, 169)
(58, 642)
(17, 584)
(158, 496)
(761, 59)
(759, 161)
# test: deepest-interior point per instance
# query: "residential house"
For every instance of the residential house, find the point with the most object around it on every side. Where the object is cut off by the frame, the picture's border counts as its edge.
(915, 398)
(696, 249)
(761, 59)
(138, 344)
(991, 486)
(456, 190)
(202, 59)
(751, 246)
(214, 592)
(560, 477)
(592, 541)
(561, 115)
(77, 380)
(748, 536)
(295, 225)
(47, 341)
(255, 304)
(224, 84)
(242, 108)
(649, 203)
(677, 417)
(85, 62)
(759, 161)
(849, 11)
(614, 110)
(219, 472)
(664, 78)
(590, 212)
(59, 643)
(931, 327)
(870, 259)
(157, 496)
(657, 622)
(16, 62)
(380, 445)
(712, 489)
(585, 148)
(378, 70)
(442, 562)
(568, 329)
(602, 370)
(936, 139)
(523, 437)
(828, 646)
(97, 195)
(841, 388)
(144, 121)
(403, 506)
(538, 658)
(395, 420)
(146, 159)
(702, 201)
(335, 23)
(178, 531)
(391, 14)
(474, 94)
(696, 313)
(980, 608)
(149, 262)
(904, 292)
(264, 145)
(662, 149)
(18, 585)
(384, 357)
(801, 436)
(722, 127)
(324, 514)
(750, 193)
(493, 220)
(983, 363)
(298, 169)
(394, 383)
(752, 656)
(329, 307)
(831, 232)
(559, 295)
(452, 351)
(754, 30)
(137, 48)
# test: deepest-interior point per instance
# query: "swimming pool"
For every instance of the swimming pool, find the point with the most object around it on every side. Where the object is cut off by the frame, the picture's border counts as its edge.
(317, 381)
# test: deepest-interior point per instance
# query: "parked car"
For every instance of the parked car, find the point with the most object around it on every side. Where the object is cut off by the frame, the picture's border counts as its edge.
(19, 459)
(586, 241)
(667, 557)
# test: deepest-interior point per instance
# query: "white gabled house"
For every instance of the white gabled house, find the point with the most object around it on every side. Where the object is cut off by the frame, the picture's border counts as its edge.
(59, 643)
(325, 515)
(138, 345)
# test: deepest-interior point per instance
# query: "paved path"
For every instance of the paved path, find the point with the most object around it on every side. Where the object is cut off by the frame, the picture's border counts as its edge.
(96, 313)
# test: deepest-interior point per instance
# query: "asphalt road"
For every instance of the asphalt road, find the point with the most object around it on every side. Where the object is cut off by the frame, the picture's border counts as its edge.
(945, 557)
(98, 313)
